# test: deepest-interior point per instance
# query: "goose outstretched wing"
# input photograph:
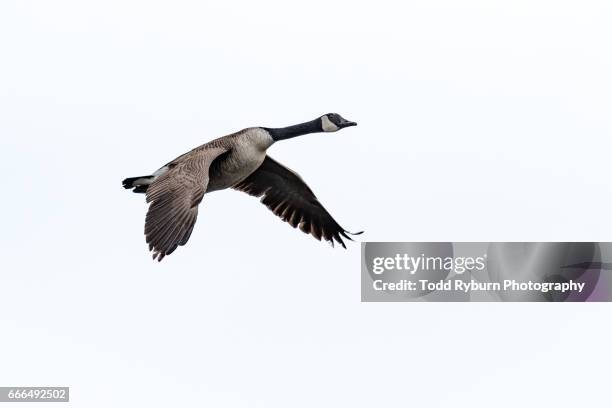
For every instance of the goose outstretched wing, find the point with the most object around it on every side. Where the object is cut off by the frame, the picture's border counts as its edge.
(174, 197)
(287, 195)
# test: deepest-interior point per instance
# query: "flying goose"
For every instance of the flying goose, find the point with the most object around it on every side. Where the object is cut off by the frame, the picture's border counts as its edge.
(237, 161)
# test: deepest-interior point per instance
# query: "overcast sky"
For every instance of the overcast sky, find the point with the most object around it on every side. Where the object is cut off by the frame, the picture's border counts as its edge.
(478, 121)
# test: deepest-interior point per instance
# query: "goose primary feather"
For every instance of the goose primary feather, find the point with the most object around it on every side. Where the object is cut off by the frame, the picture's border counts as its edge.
(238, 161)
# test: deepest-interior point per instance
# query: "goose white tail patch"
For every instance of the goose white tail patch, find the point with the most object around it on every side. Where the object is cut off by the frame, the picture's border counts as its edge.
(143, 181)
(161, 171)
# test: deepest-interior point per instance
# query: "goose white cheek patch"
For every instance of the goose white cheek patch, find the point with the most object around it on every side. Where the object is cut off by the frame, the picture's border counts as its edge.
(328, 125)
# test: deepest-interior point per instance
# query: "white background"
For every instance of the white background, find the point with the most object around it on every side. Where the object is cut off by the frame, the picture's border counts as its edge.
(478, 120)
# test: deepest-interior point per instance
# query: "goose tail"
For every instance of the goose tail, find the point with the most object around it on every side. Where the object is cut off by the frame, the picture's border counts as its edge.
(139, 184)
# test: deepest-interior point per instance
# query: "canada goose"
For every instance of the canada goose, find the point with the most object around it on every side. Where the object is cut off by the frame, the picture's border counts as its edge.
(237, 161)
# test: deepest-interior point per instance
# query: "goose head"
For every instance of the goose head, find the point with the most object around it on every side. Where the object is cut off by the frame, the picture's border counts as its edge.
(332, 122)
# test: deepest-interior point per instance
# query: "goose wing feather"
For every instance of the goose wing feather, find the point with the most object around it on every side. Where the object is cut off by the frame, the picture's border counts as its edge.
(285, 193)
(173, 201)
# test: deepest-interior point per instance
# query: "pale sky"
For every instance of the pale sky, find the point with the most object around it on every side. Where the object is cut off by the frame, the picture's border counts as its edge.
(478, 121)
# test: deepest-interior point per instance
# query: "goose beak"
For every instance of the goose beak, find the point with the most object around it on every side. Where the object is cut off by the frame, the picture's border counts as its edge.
(347, 123)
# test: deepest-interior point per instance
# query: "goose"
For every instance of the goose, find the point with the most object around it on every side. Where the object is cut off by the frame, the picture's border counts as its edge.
(238, 161)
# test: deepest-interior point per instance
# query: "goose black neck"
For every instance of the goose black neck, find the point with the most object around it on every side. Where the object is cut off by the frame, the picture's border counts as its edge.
(288, 132)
